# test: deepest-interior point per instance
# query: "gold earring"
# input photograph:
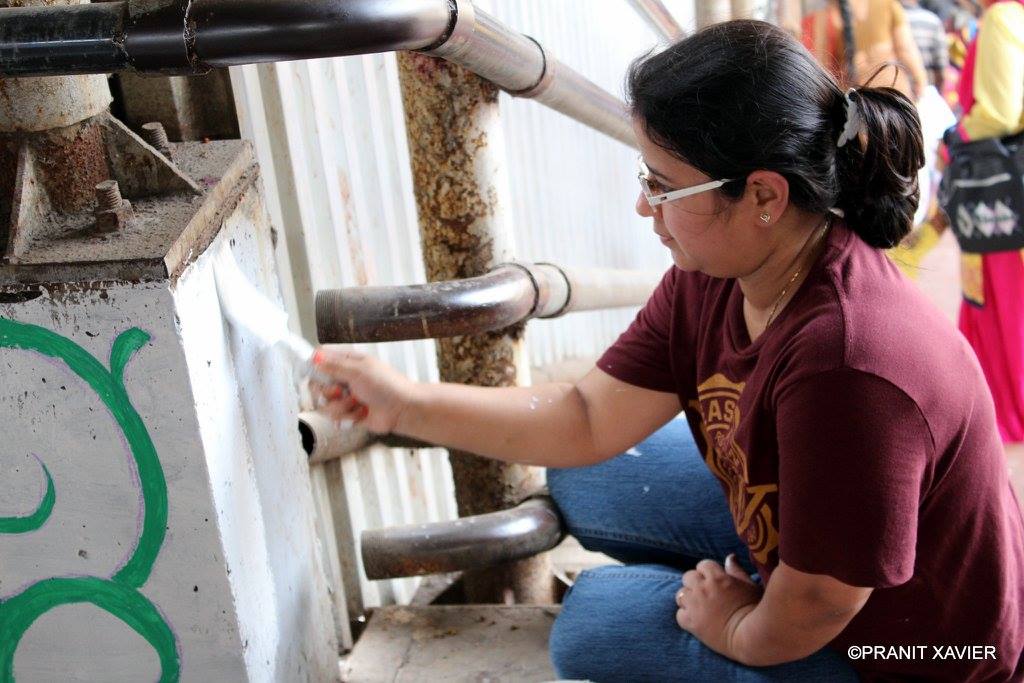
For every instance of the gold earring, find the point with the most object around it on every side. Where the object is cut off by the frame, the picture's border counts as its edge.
(766, 217)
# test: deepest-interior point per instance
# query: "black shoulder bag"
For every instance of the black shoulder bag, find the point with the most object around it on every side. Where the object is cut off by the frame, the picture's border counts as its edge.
(982, 192)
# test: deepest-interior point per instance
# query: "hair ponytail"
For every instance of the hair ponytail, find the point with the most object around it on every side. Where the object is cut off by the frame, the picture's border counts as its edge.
(877, 170)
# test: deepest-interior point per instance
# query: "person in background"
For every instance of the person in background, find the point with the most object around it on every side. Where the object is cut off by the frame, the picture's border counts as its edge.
(880, 34)
(991, 94)
(930, 37)
(943, 9)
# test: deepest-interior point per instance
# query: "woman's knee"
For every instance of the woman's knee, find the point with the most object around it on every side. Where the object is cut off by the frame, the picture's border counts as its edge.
(596, 634)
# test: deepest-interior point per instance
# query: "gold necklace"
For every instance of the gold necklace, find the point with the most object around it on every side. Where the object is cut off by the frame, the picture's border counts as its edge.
(816, 237)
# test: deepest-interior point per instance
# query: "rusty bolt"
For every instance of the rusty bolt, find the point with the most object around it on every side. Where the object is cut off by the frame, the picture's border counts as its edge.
(156, 135)
(112, 212)
(108, 195)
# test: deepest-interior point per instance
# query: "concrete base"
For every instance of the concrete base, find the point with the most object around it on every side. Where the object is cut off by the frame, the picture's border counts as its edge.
(454, 643)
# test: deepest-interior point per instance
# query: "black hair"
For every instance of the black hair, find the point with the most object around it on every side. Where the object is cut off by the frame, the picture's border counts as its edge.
(744, 95)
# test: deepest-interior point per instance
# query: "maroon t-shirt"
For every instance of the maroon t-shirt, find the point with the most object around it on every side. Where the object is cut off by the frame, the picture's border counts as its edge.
(856, 438)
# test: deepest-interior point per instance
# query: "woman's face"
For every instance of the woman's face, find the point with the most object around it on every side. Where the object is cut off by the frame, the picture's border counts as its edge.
(704, 232)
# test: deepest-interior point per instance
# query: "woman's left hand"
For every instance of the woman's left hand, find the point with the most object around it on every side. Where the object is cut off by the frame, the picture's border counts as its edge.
(713, 601)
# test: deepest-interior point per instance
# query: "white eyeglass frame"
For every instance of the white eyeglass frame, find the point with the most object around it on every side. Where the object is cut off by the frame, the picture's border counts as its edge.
(644, 175)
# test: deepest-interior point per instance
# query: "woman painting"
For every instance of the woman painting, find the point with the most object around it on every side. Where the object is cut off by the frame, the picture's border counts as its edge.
(841, 482)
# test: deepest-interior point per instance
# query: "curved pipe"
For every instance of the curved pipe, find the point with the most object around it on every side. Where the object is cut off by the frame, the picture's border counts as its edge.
(467, 543)
(508, 295)
(493, 301)
(193, 36)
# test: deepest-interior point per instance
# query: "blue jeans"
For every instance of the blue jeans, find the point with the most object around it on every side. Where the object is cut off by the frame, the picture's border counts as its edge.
(658, 509)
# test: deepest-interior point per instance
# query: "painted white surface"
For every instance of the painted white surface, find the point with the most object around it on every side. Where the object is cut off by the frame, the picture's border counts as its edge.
(248, 415)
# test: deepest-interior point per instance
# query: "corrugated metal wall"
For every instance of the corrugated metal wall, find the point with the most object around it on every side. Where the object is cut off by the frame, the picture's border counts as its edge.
(330, 139)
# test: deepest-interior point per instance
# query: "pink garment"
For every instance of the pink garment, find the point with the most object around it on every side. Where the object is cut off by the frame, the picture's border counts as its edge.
(996, 333)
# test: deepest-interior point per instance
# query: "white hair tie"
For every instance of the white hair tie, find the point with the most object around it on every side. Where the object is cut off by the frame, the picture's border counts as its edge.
(854, 122)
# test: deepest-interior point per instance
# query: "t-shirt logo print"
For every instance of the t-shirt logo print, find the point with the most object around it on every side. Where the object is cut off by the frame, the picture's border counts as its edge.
(718, 401)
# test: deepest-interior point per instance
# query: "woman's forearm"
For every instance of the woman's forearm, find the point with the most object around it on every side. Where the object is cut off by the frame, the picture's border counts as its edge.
(764, 637)
(797, 616)
(543, 425)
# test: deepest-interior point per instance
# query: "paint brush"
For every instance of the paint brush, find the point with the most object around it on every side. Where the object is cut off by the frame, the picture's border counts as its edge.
(248, 309)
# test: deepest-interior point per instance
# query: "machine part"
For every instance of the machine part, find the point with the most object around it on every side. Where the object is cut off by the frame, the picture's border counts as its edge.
(49, 196)
(509, 294)
(112, 212)
(148, 37)
(168, 223)
(467, 543)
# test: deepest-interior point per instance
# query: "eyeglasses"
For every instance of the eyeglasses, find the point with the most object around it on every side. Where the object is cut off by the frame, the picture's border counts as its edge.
(657, 193)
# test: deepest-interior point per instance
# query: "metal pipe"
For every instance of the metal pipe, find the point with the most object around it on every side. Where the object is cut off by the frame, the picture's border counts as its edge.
(52, 40)
(325, 439)
(114, 36)
(507, 295)
(658, 18)
(467, 543)
(229, 32)
(520, 65)
(598, 288)
(493, 301)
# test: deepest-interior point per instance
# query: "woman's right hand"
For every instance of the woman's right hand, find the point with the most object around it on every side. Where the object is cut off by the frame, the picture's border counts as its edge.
(366, 391)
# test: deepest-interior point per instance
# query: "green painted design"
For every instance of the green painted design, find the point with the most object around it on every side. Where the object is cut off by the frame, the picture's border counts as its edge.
(21, 525)
(117, 595)
(124, 602)
(123, 349)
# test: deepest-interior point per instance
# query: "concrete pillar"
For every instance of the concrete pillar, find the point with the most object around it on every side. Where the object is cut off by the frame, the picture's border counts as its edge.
(156, 518)
(461, 188)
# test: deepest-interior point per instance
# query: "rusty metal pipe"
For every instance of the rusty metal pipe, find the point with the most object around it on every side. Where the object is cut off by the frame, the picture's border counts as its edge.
(658, 18)
(493, 301)
(507, 295)
(466, 543)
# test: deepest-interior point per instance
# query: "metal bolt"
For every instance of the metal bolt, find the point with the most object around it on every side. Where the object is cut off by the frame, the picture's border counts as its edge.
(108, 195)
(112, 212)
(156, 135)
